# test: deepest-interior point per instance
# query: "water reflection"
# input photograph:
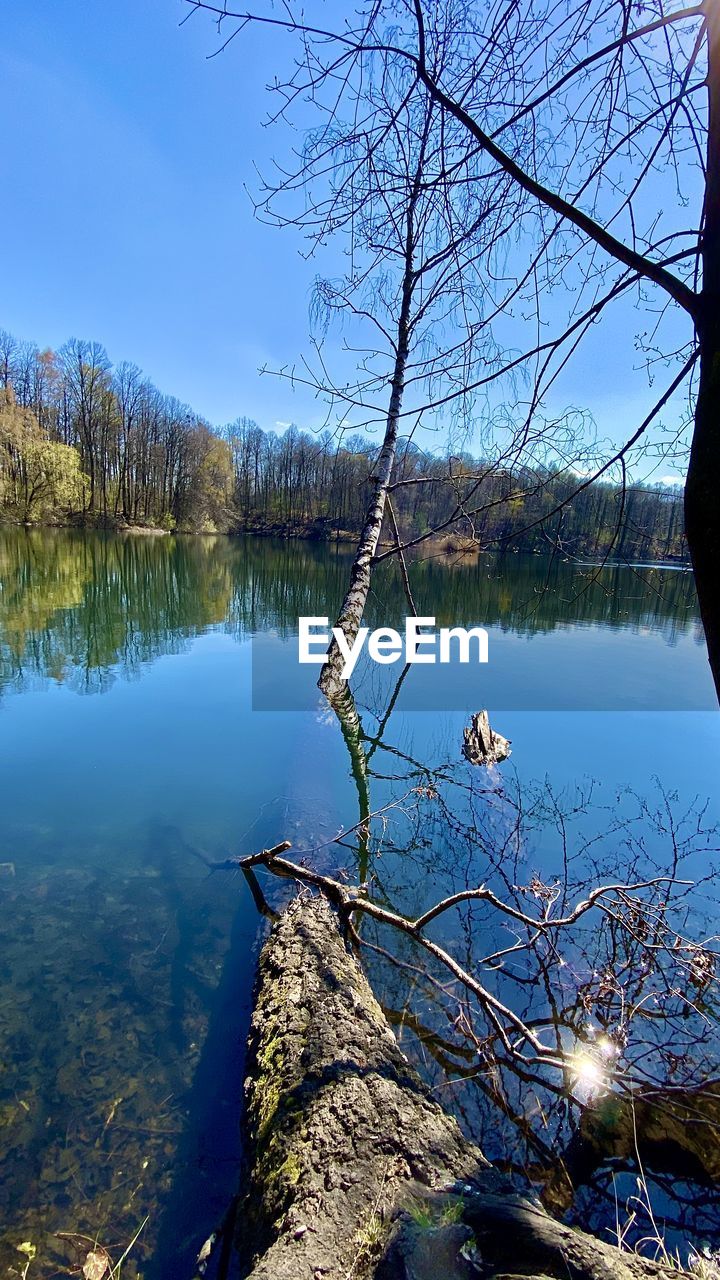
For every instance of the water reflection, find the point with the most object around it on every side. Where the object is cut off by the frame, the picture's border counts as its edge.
(127, 967)
(590, 1049)
(84, 609)
(81, 610)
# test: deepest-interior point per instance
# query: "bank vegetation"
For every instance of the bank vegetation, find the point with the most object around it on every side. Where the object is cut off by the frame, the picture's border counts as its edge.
(85, 442)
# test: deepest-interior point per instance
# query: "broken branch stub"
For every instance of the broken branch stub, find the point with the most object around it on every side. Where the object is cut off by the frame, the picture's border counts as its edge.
(481, 745)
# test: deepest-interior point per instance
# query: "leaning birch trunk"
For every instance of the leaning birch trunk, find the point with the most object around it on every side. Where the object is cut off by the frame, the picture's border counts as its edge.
(331, 681)
(354, 1170)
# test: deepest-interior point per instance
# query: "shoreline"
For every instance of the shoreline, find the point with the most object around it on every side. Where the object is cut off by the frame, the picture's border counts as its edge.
(450, 547)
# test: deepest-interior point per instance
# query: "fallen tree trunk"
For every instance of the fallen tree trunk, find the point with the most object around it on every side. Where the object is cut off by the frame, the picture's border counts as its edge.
(354, 1170)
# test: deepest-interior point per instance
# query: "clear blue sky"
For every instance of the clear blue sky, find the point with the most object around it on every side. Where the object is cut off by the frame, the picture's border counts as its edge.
(124, 216)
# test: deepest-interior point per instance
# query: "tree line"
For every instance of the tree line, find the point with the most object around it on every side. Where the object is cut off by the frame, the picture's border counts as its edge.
(131, 454)
(88, 442)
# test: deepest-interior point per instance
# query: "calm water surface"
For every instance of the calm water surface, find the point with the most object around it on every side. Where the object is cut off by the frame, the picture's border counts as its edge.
(136, 745)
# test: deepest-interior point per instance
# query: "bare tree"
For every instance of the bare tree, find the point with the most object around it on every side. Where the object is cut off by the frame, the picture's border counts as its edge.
(86, 371)
(607, 124)
(421, 226)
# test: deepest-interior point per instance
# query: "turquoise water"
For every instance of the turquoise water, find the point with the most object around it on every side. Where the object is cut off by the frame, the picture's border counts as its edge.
(131, 756)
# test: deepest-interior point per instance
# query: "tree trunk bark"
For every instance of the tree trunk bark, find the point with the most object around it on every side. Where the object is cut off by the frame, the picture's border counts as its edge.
(331, 681)
(702, 495)
(702, 488)
(354, 1170)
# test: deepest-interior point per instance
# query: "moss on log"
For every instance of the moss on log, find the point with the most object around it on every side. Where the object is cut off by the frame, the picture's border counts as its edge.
(354, 1170)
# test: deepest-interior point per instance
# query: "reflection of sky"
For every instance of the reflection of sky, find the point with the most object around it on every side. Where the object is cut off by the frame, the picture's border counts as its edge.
(183, 742)
(571, 668)
(176, 763)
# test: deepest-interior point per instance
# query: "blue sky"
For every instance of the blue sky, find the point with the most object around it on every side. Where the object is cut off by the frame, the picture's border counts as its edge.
(125, 207)
(125, 216)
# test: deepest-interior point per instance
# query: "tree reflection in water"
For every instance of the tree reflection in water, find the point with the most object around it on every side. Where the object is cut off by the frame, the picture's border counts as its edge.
(549, 960)
(621, 1002)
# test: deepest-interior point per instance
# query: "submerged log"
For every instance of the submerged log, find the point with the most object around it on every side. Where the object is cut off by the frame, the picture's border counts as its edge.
(354, 1170)
(481, 745)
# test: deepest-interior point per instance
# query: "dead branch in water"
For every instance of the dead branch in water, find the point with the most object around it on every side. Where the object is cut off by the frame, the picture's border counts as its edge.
(519, 1041)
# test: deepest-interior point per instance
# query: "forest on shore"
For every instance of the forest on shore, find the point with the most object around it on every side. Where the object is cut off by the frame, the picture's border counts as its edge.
(86, 442)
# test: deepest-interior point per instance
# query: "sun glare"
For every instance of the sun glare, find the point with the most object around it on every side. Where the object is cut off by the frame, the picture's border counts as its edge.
(587, 1072)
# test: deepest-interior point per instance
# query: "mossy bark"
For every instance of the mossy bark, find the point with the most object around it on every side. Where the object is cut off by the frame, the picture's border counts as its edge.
(354, 1170)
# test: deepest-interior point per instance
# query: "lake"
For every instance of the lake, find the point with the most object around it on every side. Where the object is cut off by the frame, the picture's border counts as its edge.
(154, 720)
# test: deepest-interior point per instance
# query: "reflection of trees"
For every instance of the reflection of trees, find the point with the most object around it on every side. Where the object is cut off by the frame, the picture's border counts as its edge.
(621, 999)
(41, 576)
(527, 594)
(552, 962)
(76, 605)
(74, 608)
(625, 988)
(571, 1018)
(275, 583)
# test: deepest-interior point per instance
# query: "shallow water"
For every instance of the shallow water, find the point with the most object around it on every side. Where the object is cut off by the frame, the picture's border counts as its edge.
(130, 755)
